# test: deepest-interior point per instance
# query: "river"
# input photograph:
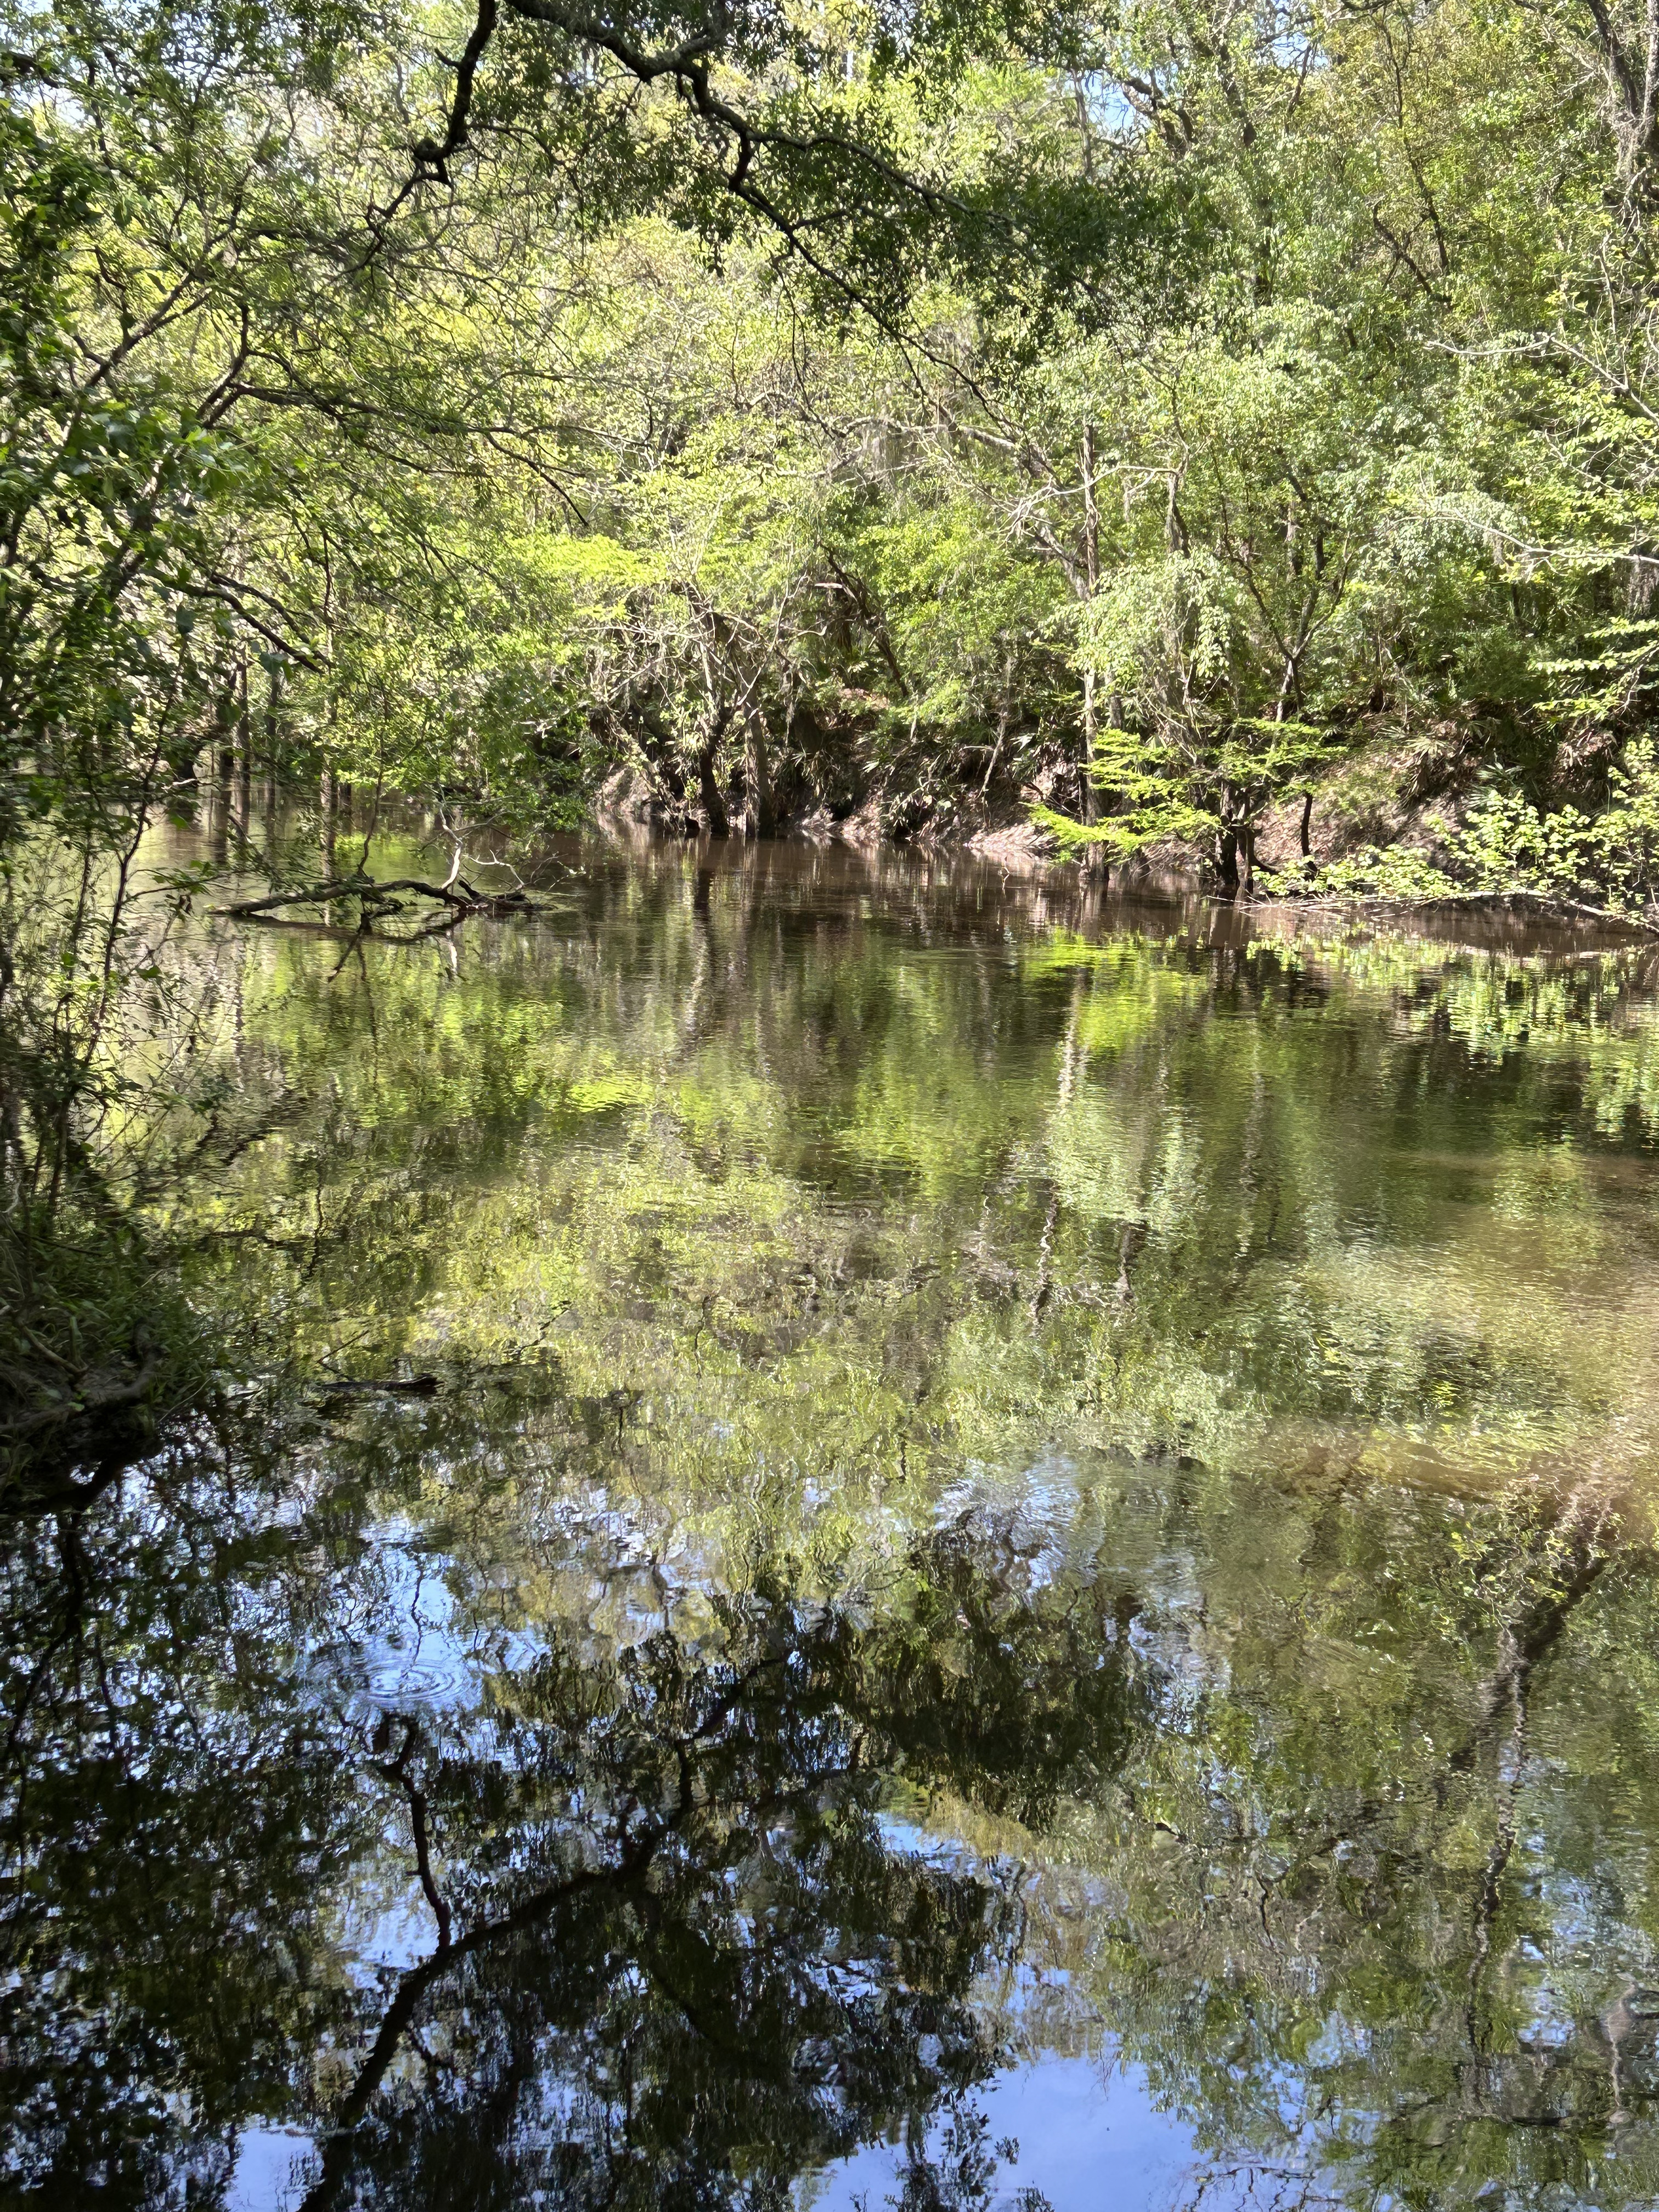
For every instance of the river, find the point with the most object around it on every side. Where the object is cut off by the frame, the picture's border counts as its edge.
(1019, 1572)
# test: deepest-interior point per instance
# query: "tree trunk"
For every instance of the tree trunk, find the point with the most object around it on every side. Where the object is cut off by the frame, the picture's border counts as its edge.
(273, 694)
(759, 818)
(1004, 714)
(709, 791)
(716, 718)
(1226, 861)
(1089, 809)
(224, 738)
(244, 756)
(219, 807)
(224, 774)
(273, 721)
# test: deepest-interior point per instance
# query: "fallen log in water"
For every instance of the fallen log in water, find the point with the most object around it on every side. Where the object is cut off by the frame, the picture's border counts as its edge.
(457, 898)
(415, 1386)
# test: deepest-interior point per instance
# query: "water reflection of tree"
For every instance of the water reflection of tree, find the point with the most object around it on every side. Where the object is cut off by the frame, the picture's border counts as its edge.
(1377, 1884)
(1340, 1914)
(673, 1954)
(860, 1187)
(668, 1945)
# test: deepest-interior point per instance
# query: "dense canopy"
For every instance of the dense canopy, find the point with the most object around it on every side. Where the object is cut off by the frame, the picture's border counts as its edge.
(1225, 427)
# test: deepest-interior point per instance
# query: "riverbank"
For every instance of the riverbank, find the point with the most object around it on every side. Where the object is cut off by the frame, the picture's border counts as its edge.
(1432, 862)
(1016, 850)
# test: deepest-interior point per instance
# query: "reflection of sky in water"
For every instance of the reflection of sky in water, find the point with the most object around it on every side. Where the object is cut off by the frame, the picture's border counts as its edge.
(388, 1941)
(1087, 2139)
(1086, 2135)
(418, 1649)
(860, 1270)
(1087, 2129)
(269, 2176)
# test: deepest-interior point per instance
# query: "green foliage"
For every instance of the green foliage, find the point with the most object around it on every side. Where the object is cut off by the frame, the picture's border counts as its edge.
(1133, 417)
(1508, 844)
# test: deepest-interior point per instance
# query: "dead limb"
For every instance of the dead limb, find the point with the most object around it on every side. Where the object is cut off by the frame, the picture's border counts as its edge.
(458, 897)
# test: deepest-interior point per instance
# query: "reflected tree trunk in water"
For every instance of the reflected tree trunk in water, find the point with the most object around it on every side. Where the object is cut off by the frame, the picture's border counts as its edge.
(1071, 1359)
(417, 1981)
(1577, 1545)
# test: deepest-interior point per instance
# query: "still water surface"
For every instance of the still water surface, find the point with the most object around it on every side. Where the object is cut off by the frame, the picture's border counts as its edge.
(1029, 1580)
